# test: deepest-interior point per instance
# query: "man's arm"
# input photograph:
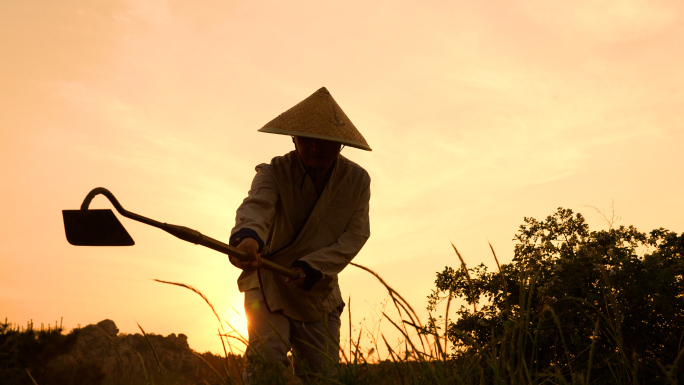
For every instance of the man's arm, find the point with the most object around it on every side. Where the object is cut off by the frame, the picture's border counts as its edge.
(253, 219)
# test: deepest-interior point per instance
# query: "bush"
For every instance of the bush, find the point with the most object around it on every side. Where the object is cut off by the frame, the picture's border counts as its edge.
(28, 356)
(573, 306)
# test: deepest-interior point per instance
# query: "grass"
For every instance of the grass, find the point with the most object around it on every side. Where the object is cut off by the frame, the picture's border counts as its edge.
(509, 357)
(424, 355)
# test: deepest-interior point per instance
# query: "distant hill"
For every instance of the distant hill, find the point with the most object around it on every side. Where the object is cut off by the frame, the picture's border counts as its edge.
(99, 354)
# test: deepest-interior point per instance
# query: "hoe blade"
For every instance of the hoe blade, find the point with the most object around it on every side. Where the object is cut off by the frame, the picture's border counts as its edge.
(94, 228)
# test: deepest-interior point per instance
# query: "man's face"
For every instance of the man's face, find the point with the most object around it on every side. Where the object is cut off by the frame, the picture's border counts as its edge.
(317, 154)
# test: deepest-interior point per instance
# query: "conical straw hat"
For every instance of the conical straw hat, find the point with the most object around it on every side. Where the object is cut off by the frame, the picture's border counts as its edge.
(319, 117)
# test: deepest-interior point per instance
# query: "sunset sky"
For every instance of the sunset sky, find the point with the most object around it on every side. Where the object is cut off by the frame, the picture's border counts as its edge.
(479, 113)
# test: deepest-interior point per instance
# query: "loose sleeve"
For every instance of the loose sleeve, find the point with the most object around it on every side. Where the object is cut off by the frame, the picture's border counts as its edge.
(255, 215)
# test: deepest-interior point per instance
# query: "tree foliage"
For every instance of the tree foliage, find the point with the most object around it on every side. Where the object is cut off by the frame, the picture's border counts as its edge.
(595, 307)
(25, 357)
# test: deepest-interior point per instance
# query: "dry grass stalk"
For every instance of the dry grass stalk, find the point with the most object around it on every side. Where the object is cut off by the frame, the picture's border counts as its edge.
(470, 282)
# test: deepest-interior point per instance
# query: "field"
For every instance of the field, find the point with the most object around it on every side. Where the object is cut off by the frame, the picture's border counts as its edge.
(574, 307)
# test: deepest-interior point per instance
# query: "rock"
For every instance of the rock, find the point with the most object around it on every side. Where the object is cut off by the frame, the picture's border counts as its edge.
(109, 327)
(100, 355)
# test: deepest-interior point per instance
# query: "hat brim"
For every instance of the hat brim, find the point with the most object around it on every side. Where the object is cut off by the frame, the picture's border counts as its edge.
(350, 143)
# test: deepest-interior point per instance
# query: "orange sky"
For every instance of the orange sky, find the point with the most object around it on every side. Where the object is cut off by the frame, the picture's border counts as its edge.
(479, 113)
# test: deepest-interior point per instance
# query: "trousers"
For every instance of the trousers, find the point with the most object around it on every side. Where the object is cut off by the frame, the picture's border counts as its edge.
(302, 348)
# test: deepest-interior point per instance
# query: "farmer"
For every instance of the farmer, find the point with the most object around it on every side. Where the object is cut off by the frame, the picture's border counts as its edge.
(307, 210)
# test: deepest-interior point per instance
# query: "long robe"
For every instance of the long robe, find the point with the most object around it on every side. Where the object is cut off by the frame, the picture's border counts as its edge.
(295, 223)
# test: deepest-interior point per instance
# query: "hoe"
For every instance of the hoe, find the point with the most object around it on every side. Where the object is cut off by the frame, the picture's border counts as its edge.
(86, 227)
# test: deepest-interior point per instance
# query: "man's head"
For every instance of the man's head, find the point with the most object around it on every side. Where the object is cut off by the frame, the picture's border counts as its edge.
(317, 154)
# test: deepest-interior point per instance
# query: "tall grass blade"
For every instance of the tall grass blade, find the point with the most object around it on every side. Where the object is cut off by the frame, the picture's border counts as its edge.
(73, 372)
(350, 327)
(154, 351)
(591, 352)
(225, 353)
(470, 281)
(144, 368)
(33, 380)
(503, 277)
(445, 353)
(196, 292)
(118, 354)
(399, 302)
(225, 381)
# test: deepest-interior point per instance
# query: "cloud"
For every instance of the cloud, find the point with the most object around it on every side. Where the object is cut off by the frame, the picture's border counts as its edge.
(606, 20)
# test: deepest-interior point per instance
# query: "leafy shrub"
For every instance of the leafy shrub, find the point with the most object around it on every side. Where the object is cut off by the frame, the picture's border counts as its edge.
(574, 306)
(29, 355)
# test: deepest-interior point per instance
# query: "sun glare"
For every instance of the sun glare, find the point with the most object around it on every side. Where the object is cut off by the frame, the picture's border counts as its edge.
(235, 325)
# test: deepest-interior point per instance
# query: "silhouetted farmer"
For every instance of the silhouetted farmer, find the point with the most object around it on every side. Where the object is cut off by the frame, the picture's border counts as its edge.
(307, 209)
